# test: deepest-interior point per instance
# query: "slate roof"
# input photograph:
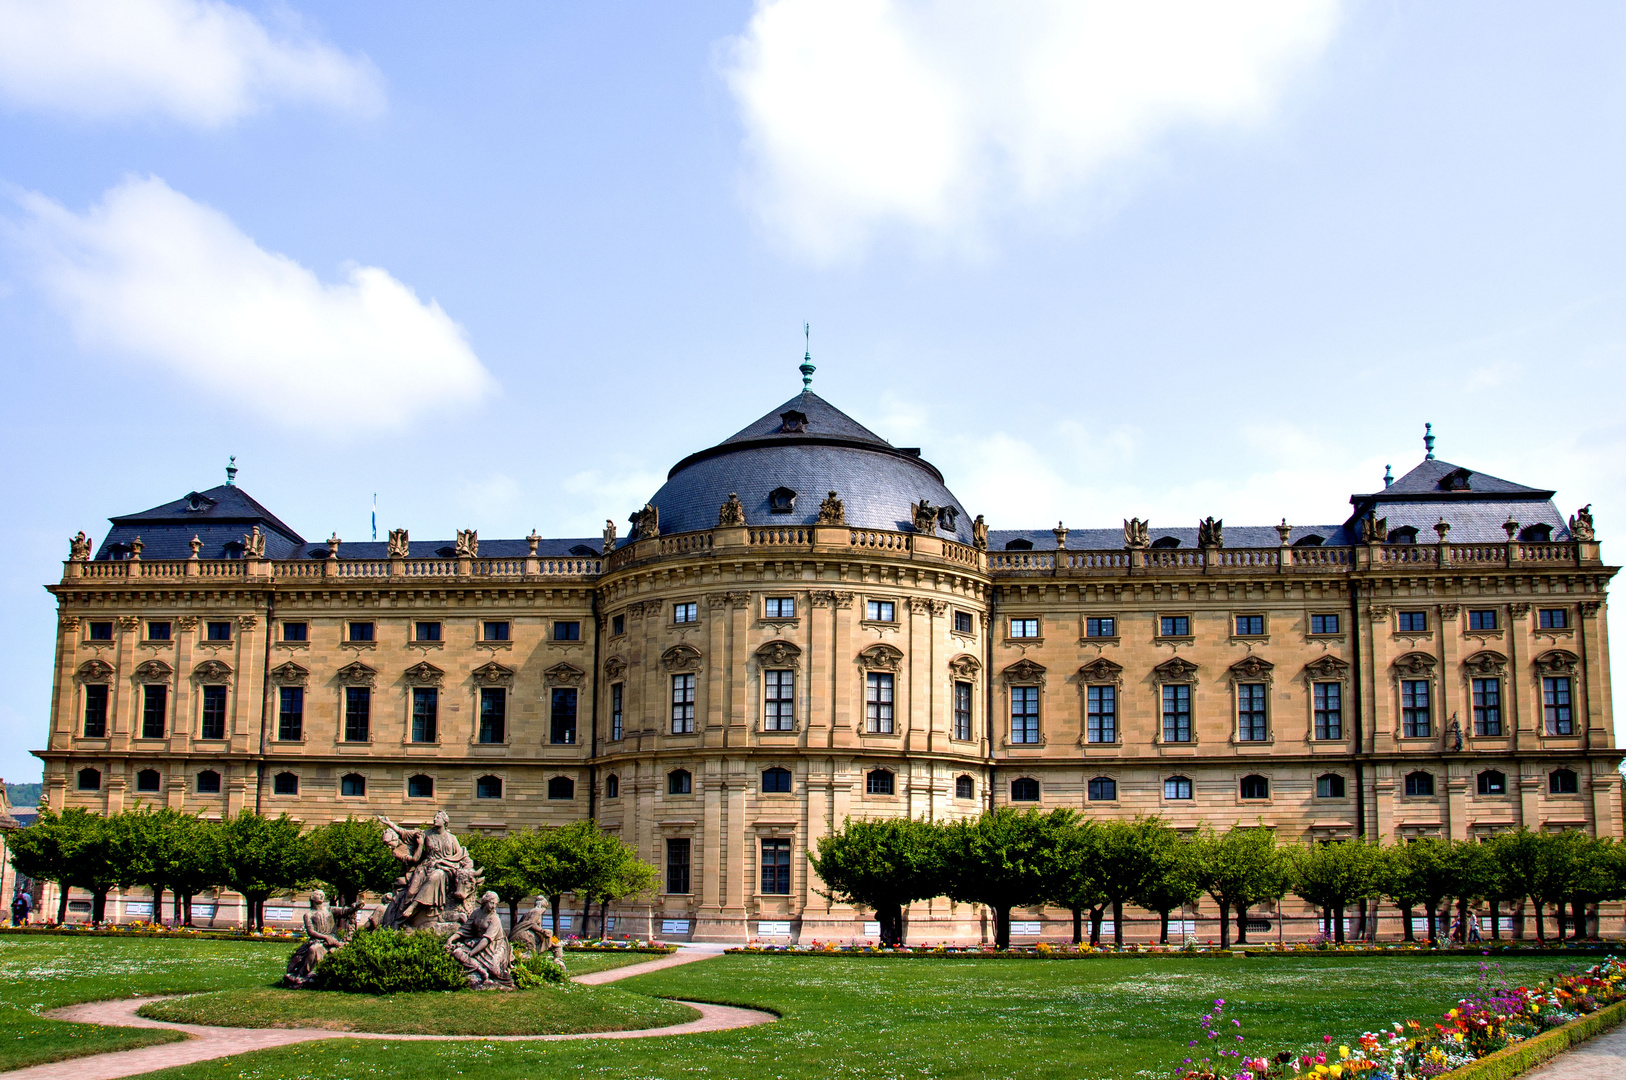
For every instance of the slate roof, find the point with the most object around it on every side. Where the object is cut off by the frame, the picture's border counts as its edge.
(1426, 479)
(1474, 504)
(1241, 536)
(219, 517)
(823, 418)
(489, 549)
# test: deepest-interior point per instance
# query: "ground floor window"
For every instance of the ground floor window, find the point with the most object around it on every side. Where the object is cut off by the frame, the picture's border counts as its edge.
(776, 867)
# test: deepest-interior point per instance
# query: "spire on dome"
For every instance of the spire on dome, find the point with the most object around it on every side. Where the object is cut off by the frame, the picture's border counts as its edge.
(1428, 442)
(807, 367)
(231, 471)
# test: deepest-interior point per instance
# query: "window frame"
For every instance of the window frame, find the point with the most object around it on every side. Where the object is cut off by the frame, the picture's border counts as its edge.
(1558, 717)
(357, 721)
(1479, 616)
(96, 694)
(299, 636)
(564, 715)
(1031, 714)
(504, 631)
(1094, 629)
(1024, 628)
(873, 783)
(279, 788)
(965, 787)
(1101, 714)
(1553, 618)
(774, 863)
(213, 710)
(155, 704)
(1417, 615)
(1555, 786)
(881, 611)
(1331, 779)
(1174, 785)
(969, 620)
(1414, 780)
(412, 780)
(1178, 690)
(964, 709)
(1337, 624)
(141, 785)
(153, 633)
(679, 880)
(1327, 719)
(566, 630)
(93, 774)
(1175, 627)
(290, 720)
(779, 699)
(480, 786)
(1239, 630)
(423, 707)
(348, 780)
(1027, 783)
(1410, 714)
(677, 786)
(1243, 784)
(435, 636)
(880, 703)
(1096, 789)
(773, 607)
(197, 782)
(612, 786)
(780, 775)
(1252, 711)
(682, 701)
(99, 630)
(493, 717)
(618, 698)
(561, 789)
(1486, 707)
(618, 625)
(1483, 784)
(685, 612)
(360, 632)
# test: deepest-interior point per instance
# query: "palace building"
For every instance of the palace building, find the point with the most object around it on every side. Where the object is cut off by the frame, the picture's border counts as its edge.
(804, 624)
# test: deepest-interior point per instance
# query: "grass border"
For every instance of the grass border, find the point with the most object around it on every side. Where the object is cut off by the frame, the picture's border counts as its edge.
(1145, 954)
(1513, 1060)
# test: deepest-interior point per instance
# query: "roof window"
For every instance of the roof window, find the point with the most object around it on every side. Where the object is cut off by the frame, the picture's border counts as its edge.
(1406, 534)
(1019, 545)
(1166, 542)
(781, 500)
(792, 422)
(1539, 534)
(1310, 541)
(1455, 480)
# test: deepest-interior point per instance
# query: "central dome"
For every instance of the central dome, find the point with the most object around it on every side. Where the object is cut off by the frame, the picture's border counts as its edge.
(783, 465)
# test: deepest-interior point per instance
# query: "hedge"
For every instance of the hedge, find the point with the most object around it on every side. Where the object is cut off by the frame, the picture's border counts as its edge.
(1513, 1060)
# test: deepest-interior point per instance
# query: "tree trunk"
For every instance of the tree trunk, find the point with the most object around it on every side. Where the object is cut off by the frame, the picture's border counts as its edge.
(553, 902)
(1496, 919)
(890, 919)
(1095, 925)
(1163, 928)
(1002, 926)
(1407, 934)
(1337, 923)
(158, 905)
(62, 904)
(98, 907)
(1541, 926)
(1242, 924)
(513, 915)
(1563, 917)
(1579, 919)
(1432, 906)
(1225, 924)
(1078, 924)
(1118, 924)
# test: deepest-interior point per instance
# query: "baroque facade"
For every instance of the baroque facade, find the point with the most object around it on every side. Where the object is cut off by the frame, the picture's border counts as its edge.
(804, 625)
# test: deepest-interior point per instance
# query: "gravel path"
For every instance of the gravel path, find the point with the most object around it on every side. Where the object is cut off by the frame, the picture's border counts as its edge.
(207, 1043)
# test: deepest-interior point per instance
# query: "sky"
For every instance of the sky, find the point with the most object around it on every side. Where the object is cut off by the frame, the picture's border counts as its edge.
(504, 264)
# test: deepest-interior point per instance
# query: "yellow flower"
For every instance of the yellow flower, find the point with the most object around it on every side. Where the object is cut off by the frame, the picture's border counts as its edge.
(1336, 1071)
(1343, 1051)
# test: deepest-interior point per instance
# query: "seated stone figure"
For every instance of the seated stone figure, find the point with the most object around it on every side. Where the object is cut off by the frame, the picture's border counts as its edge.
(480, 945)
(321, 938)
(438, 880)
(533, 931)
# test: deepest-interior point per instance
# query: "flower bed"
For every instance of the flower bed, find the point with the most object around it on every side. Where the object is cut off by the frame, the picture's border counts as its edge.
(1045, 950)
(1494, 1034)
(140, 929)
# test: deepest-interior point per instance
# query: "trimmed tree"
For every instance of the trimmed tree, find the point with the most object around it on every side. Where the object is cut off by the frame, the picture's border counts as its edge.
(41, 852)
(1003, 859)
(881, 865)
(1127, 854)
(198, 862)
(502, 861)
(1174, 880)
(1075, 882)
(1333, 876)
(350, 858)
(1239, 868)
(263, 857)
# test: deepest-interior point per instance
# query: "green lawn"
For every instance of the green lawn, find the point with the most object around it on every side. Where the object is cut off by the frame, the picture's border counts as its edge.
(964, 1019)
(584, 963)
(42, 973)
(551, 1010)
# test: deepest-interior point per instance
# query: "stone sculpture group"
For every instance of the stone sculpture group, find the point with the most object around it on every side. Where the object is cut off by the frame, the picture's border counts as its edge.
(438, 890)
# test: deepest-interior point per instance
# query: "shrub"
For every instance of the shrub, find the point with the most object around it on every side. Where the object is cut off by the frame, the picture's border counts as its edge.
(538, 970)
(390, 962)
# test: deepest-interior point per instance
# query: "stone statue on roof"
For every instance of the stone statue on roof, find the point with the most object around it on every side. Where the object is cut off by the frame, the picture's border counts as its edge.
(398, 544)
(1580, 524)
(609, 537)
(1137, 533)
(1211, 533)
(925, 517)
(832, 511)
(468, 543)
(79, 547)
(979, 533)
(732, 513)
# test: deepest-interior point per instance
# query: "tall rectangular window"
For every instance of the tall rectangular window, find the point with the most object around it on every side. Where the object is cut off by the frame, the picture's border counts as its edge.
(1553, 618)
(425, 714)
(1329, 710)
(618, 625)
(290, 713)
(494, 715)
(358, 709)
(1323, 624)
(878, 703)
(1487, 706)
(1177, 713)
(776, 867)
(1174, 626)
(1555, 703)
(1101, 714)
(1483, 619)
(677, 865)
(1101, 626)
(779, 607)
(682, 704)
(962, 711)
(1250, 625)
(617, 719)
(95, 711)
(1024, 628)
(1024, 714)
(686, 613)
(1250, 712)
(562, 716)
(214, 713)
(1416, 719)
(780, 704)
(154, 711)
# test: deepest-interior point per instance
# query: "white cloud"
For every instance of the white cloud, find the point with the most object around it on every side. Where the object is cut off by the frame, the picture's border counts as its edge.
(934, 114)
(201, 62)
(150, 274)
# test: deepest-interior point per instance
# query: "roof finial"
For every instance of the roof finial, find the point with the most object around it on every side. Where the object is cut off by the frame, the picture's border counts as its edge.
(1428, 441)
(231, 471)
(1388, 475)
(807, 368)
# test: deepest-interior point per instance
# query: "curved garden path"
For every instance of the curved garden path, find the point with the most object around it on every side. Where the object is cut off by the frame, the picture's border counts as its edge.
(207, 1043)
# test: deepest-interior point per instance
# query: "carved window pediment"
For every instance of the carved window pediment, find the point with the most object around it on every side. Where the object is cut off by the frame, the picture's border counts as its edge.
(1024, 671)
(562, 674)
(289, 674)
(154, 671)
(1414, 665)
(965, 666)
(681, 658)
(881, 657)
(614, 668)
(211, 671)
(493, 674)
(1486, 663)
(1557, 662)
(1101, 670)
(95, 671)
(357, 674)
(1327, 667)
(424, 673)
(1252, 669)
(1176, 670)
(779, 654)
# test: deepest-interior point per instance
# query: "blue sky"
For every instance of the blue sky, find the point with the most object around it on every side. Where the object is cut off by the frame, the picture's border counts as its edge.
(503, 264)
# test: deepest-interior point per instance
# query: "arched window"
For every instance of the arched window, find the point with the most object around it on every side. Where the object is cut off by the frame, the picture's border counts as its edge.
(488, 787)
(1562, 782)
(285, 783)
(775, 779)
(1406, 534)
(1419, 783)
(965, 787)
(148, 780)
(1492, 782)
(208, 782)
(679, 782)
(1329, 786)
(352, 784)
(90, 780)
(1103, 789)
(561, 787)
(1312, 540)
(420, 787)
(1255, 787)
(1019, 545)
(1538, 534)
(612, 786)
(1177, 787)
(1024, 789)
(1166, 542)
(878, 782)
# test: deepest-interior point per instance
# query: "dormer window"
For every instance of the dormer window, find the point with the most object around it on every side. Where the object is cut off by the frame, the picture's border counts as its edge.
(582, 549)
(1406, 534)
(1310, 541)
(946, 516)
(1455, 480)
(1019, 545)
(1538, 534)
(446, 552)
(792, 423)
(196, 503)
(1166, 542)
(782, 500)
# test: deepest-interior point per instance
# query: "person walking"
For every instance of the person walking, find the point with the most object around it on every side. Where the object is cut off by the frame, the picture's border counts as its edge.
(20, 907)
(1473, 929)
